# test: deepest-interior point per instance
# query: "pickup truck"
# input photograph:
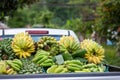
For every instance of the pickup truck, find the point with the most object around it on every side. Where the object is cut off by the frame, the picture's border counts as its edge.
(113, 72)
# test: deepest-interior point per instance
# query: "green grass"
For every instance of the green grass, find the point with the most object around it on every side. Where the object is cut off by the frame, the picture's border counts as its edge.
(110, 55)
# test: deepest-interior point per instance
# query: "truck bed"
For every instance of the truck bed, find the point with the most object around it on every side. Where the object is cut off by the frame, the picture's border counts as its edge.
(112, 74)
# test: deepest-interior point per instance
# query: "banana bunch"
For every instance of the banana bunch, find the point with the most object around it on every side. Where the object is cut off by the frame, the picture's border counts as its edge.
(6, 51)
(49, 44)
(5, 69)
(29, 67)
(68, 44)
(43, 58)
(95, 52)
(57, 69)
(73, 65)
(91, 67)
(16, 64)
(23, 45)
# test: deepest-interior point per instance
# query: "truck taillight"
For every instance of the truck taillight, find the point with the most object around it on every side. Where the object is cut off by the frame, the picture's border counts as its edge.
(37, 31)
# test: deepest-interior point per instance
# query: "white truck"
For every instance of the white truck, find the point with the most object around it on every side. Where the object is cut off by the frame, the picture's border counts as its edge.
(112, 74)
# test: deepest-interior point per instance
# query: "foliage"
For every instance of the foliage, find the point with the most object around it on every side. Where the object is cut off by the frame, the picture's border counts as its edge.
(109, 20)
(30, 15)
(79, 26)
(8, 7)
(109, 17)
(118, 47)
(110, 55)
(51, 13)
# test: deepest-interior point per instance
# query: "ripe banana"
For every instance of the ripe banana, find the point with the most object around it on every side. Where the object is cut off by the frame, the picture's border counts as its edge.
(11, 71)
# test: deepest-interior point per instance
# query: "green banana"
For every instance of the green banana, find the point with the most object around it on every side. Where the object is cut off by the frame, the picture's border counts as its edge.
(79, 53)
(75, 45)
(86, 70)
(46, 64)
(58, 70)
(73, 62)
(100, 69)
(65, 70)
(48, 61)
(37, 58)
(43, 59)
(75, 65)
(18, 62)
(89, 65)
(67, 62)
(71, 68)
(42, 52)
(77, 62)
(14, 66)
(52, 68)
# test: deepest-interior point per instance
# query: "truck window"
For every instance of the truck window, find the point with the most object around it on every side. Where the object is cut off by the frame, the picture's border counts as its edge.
(36, 37)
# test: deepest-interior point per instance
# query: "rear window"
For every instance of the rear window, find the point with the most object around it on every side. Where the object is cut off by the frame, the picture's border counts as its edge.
(36, 37)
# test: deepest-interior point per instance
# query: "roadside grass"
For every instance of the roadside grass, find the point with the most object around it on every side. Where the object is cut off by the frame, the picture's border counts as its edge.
(110, 55)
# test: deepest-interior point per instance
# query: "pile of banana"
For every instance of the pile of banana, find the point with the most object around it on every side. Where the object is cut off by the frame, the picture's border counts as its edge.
(75, 66)
(43, 58)
(22, 55)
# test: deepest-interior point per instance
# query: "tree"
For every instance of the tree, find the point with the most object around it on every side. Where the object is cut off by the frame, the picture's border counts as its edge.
(82, 29)
(30, 15)
(109, 18)
(8, 7)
